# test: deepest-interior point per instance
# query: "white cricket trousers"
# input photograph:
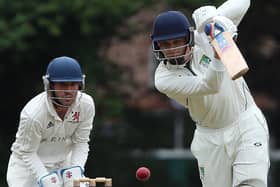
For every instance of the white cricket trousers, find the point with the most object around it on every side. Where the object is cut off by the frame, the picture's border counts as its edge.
(234, 155)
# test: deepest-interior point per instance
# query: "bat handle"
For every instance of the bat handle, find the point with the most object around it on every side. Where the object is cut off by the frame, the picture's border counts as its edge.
(210, 29)
(219, 27)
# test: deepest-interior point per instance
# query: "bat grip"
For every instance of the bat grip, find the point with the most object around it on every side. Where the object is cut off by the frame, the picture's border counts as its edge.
(210, 29)
(219, 27)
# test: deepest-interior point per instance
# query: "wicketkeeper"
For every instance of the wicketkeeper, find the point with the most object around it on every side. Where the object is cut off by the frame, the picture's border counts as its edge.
(51, 146)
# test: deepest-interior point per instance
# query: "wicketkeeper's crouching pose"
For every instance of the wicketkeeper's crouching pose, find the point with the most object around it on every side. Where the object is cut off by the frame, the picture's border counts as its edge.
(51, 146)
(230, 142)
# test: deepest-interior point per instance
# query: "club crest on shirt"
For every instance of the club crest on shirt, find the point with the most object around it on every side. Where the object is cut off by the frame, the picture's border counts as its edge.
(75, 116)
(205, 60)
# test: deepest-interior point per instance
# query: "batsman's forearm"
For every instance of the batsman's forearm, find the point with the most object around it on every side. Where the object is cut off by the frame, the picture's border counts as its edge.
(176, 84)
(234, 10)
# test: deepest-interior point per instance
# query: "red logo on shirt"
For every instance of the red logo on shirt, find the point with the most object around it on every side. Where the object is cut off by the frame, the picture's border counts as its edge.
(75, 116)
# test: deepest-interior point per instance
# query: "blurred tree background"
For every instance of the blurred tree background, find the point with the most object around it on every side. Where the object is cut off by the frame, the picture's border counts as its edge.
(132, 119)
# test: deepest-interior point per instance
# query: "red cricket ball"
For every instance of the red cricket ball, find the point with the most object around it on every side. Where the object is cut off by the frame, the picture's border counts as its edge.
(143, 174)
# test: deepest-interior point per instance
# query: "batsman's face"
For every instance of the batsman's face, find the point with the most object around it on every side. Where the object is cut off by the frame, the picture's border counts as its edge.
(174, 48)
(66, 92)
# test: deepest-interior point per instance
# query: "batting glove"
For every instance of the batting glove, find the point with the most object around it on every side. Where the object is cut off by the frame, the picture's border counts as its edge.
(49, 180)
(70, 174)
(202, 16)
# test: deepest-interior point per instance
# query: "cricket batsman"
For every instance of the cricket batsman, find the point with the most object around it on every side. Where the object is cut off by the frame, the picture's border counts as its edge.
(231, 140)
(51, 145)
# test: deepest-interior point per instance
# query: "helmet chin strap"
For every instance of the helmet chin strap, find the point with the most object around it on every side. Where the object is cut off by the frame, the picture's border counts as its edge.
(57, 103)
(177, 61)
(56, 100)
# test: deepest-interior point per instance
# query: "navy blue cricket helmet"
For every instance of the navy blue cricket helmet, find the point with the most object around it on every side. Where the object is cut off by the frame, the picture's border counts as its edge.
(171, 25)
(64, 69)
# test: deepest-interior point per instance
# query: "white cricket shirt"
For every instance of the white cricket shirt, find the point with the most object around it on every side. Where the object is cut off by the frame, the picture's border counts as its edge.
(44, 140)
(212, 98)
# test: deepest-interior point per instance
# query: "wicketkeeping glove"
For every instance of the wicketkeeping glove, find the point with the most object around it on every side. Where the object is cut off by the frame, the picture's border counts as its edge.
(49, 180)
(70, 174)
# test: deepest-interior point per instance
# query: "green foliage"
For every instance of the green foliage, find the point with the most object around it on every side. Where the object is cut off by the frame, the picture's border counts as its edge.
(23, 20)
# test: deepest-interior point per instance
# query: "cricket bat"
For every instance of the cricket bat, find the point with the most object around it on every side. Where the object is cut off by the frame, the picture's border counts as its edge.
(227, 51)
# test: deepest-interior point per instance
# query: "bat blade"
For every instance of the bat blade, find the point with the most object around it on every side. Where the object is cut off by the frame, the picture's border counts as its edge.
(230, 55)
